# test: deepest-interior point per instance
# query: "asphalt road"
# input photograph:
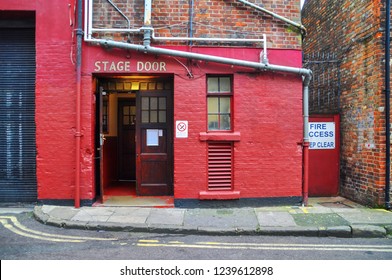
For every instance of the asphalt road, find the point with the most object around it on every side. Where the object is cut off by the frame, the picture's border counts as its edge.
(23, 238)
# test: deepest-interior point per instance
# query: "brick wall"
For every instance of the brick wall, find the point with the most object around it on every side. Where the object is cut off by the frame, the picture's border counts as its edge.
(269, 138)
(218, 18)
(351, 31)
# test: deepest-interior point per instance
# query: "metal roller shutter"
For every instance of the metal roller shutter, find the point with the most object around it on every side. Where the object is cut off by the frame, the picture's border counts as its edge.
(18, 181)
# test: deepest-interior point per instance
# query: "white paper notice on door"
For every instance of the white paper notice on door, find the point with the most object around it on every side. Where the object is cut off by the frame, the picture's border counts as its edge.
(152, 137)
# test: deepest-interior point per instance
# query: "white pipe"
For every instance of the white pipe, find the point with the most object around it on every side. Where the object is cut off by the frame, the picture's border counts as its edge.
(134, 30)
(90, 18)
(204, 39)
(121, 13)
(298, 25)
(265, 57)
(85, 18)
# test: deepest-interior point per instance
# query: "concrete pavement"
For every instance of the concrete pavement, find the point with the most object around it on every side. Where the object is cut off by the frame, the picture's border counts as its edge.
(335, 217)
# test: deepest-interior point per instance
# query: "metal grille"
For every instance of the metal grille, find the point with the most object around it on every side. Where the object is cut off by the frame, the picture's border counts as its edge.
(17, 115)
(219, 166)
(324, 89)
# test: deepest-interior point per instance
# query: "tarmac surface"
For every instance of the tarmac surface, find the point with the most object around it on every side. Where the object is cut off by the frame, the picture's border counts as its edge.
(332, 217)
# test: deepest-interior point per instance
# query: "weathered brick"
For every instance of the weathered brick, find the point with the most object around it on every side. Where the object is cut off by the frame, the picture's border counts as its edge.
(351, 31)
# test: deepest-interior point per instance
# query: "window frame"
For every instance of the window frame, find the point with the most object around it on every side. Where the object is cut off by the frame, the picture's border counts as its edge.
(220, 94)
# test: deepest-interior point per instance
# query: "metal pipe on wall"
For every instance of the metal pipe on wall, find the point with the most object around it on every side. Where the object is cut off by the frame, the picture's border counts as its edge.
(293, 23)
(387, 104)
(79, 37)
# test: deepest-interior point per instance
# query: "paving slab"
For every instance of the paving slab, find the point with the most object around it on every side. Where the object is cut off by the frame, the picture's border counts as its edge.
(368, 216)
(368, 231)
(275, 219)
(166, 216)
(319, 220)
(61, 212)
(130, 215)
(221, 218)
(93, 215)
(317, 209)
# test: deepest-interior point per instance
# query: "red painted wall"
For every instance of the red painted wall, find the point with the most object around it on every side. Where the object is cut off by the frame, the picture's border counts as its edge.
(267, 113)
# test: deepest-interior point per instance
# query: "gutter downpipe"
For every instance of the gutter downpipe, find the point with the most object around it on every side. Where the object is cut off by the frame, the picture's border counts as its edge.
(79, 36)
(387, 104)
(305, 144)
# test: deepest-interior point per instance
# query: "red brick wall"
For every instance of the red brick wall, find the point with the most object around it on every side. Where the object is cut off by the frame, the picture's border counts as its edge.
(225, 19)
(269, 136)
(267, 114)
(351, 30)
(268, 110)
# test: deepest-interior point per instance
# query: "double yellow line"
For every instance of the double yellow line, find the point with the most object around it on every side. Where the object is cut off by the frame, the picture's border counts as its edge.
(266, 246)
(11, 223)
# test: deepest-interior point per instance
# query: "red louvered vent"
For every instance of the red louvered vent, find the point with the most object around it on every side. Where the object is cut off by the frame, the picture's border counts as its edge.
(219, 166)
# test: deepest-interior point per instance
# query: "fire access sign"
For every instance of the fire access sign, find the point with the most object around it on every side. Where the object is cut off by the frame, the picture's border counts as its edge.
(321, 135)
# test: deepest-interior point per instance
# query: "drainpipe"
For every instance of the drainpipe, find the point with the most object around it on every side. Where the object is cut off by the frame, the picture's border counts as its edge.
(387, 104)
(305, 144)
(147, 23)
(79, 36)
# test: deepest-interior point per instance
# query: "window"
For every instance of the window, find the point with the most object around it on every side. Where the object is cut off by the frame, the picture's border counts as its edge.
(153, 110)
(219, 95)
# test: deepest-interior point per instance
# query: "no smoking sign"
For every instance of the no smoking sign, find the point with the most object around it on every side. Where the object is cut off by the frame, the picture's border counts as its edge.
(181, 129)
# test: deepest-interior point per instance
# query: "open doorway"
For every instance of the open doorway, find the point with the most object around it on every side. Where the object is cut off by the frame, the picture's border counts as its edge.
(134, 141)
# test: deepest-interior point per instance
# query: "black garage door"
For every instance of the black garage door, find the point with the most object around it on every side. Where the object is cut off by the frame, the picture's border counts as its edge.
(17, 110)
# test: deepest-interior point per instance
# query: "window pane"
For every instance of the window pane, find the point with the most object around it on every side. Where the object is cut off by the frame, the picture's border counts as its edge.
(126, 110)
(143, 86)
(224, 83)
(133, 110)
(126, 120)
(145, 117)
(225, 122)
(145, 104)
(213, 122)
(162, 116)
(212, 84)
(153, 103)
(224, 105)
(153, 116)
(213, 105)
(162, 103)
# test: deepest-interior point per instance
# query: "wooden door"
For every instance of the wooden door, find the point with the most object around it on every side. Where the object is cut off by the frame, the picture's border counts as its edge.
(154, 143)
(126, 139)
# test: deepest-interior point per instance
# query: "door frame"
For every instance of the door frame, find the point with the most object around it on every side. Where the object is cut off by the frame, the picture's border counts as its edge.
(99, 136)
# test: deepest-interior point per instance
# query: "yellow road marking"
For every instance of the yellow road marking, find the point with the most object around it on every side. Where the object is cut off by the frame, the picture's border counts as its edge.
(295, 245)
(19, 232)
(149, 241)
(304, 210)
(55, 236)
(255, 246)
